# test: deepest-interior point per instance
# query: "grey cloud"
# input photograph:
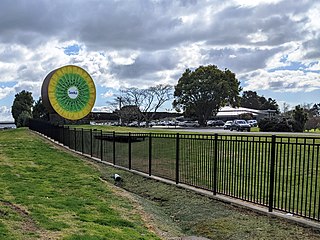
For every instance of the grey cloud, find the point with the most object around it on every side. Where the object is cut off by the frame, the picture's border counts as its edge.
(239, 60)
(282, 85)
(30, 86)
(31, 22)
(99, 24)
(311, 48)
(147, 63)
(233, 24)
(144, 24)
(10, 55)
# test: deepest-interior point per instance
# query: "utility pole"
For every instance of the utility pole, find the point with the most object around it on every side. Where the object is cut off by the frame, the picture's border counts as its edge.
(120, 106)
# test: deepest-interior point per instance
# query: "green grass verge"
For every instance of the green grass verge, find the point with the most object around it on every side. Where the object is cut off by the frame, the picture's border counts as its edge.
(198, 215)
(47, 193)
(243, 165)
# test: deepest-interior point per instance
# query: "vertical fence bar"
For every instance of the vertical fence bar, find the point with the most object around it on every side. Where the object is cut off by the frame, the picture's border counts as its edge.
(215, 160)
(69, 136)
(75, 139)
(82, 143)
(129, 151)
(114, 148)
(91, 142)
(101, 146)
(150, 153)
(63, 136)
(272, 163)
(177, 157)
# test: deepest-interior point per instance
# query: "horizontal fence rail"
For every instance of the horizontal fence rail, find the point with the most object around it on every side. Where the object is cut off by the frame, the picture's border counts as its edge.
(279, 173)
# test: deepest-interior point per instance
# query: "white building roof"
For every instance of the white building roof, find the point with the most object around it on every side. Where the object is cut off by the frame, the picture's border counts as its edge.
(230, 111)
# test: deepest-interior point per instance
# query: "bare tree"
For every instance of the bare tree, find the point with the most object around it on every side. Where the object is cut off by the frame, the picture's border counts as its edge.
(148, 100)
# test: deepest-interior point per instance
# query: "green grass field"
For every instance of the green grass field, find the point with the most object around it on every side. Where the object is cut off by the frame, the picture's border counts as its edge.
(47, 193)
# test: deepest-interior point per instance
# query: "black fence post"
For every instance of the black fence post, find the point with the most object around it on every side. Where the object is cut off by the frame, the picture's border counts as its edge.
(177, 157)
(150, 154)
(75, 139)
(215, 161)
(60, 134)
(69, 136)
(91, 142)
(63, 136)
(114, 148)
(65, 139)
(82, 143)
(101, 146)
(129, 142)
(272, 163)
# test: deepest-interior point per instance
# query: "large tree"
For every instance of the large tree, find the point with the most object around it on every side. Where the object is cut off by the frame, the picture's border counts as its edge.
(39, 111)
(315, 110)
(250, 99)
(22, 103)
(205, 90)
(300, 118)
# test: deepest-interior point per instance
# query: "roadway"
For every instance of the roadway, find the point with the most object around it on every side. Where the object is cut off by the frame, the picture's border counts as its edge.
(228, 132)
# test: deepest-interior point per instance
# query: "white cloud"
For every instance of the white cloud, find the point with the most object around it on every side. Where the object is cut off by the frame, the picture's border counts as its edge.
(282, 81)
(253, 3)
(107, 94)
(314, 66)
(257, 37)
(5, 91)
(5, 114)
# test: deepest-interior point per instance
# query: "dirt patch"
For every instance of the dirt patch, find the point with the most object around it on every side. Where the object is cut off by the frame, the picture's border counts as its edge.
(28, 225)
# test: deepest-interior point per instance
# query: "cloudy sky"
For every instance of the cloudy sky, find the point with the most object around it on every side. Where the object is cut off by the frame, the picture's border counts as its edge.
(271, 45)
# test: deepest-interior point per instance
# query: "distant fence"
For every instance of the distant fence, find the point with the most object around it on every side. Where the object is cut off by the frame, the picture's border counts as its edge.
(277, 172)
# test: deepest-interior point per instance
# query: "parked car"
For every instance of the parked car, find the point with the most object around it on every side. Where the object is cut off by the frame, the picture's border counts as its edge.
(133, 124)
(189, 124)
(215, 123)
(219, 123)
(240, 125)
(227, 125)
(252, 123)
(210, 123)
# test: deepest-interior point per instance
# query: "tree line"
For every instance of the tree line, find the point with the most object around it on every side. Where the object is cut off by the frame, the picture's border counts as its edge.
(199, 94)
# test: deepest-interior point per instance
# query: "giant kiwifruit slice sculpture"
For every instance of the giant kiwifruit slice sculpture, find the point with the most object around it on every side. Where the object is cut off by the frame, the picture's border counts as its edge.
(69, 91)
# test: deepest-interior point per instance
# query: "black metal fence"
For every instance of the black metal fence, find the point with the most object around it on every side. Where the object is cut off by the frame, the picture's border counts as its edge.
(277, 172)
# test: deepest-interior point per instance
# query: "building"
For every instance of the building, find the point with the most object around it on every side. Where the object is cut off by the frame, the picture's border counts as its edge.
(229, 113)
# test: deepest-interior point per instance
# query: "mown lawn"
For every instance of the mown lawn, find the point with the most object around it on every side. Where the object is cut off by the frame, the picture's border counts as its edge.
(47, 193)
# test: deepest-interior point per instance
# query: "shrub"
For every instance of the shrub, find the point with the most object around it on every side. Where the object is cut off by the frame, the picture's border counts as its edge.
(23, 119)
(275, 125)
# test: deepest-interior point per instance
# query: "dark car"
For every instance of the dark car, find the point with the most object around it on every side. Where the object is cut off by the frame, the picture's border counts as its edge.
(219, 123)
(240, 125)
(215, 123)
